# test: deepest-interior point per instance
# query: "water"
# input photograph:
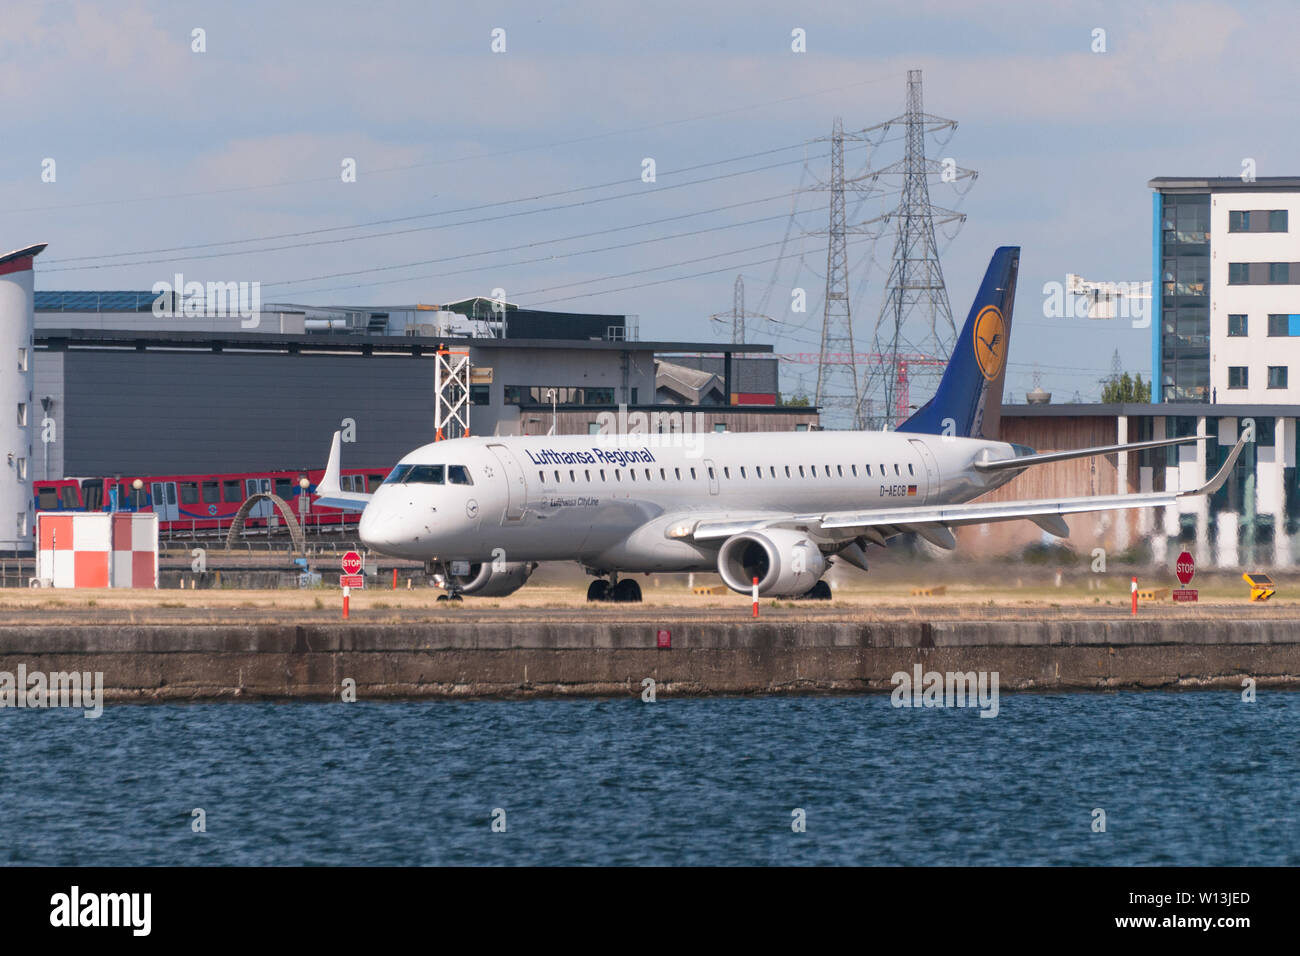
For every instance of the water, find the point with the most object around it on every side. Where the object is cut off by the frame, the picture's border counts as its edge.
(1184, 778)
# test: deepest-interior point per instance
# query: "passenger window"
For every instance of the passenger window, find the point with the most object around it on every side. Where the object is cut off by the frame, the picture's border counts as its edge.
(678, 473)
(854, 469)
(230, 490)
(742, 471)
(397, 474)
(376, 481)
(47, 499)
(868, 467)
(692, 474)
(587, 474)
(458, 475)
(814, 470)
(557, 477)
(541, 476)
(896, 471)
(663, 474)
(839, 470)
(773, 470)
(647, 474)
(710, 473)
(210, 493)
(425, 475)
(787, 471)
(602, 474)
(801, 472)
(189, 492)
(572, 476)
(618, 475)
(726, 472)
(758, 472)
(909, 470)
(631, 473)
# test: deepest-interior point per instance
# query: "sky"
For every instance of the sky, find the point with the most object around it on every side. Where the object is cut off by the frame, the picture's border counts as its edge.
(523, 168)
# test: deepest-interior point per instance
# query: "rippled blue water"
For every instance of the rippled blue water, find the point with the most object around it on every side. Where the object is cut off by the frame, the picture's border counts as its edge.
(1184, 778)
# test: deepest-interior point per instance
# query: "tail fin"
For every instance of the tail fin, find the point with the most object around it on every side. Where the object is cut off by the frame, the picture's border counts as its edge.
(968, 403)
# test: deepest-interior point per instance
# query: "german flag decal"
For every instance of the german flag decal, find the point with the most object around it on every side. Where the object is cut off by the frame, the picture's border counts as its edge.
(911, 491)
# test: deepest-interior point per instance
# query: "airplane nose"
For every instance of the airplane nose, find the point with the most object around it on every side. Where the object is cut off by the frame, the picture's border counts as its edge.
(377, 529)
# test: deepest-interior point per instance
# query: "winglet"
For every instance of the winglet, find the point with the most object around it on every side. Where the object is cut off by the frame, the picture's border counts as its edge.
(1215, 483)
(329, 482)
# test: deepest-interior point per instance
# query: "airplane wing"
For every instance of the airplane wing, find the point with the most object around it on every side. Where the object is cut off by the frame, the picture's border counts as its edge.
(1024, 461)
(328, 492)
(933, 522)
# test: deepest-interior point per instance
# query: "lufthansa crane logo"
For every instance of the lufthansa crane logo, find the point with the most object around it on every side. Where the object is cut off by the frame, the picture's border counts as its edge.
(990, 341)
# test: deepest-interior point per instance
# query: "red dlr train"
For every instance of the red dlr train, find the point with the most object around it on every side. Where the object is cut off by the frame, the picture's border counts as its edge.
(192, 503)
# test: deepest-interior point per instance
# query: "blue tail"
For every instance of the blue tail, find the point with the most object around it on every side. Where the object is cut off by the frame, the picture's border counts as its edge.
(968, 403)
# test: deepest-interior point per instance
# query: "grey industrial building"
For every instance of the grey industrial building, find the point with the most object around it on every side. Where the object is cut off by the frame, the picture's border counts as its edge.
(125, 391)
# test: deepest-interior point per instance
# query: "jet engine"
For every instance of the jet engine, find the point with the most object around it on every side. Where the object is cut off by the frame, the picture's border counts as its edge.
(482, 580)
(786, 563)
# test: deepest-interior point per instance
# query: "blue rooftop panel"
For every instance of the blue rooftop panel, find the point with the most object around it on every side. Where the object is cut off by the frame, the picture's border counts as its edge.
(78, 301)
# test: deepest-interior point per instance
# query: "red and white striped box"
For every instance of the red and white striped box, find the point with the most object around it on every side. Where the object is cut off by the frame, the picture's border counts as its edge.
(98, 550)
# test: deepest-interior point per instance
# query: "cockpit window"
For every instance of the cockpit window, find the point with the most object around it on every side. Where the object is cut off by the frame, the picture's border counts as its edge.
(458, 475)
(397, 474)
(424, 475)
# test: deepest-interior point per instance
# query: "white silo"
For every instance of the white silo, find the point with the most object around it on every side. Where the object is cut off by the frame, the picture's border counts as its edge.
(17, 327)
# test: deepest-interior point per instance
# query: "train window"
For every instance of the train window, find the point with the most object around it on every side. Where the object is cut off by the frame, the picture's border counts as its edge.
(47, 499)
(424, 475)
(284, 488)
(397, 474)
(210, 493)
(231, 491)
(189, 492)
(376, 481)
(94, 490)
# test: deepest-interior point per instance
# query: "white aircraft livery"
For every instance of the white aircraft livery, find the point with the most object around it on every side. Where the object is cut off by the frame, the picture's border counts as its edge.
(773, 507)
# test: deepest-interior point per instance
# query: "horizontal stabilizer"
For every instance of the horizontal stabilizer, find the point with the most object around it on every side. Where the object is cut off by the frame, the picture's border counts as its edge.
(328, 492)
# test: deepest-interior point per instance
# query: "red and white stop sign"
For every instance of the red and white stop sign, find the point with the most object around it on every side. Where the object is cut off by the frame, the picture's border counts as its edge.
(351, 563)
(1185, 567)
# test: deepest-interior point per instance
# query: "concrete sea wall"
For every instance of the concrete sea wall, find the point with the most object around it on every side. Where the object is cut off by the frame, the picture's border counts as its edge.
(460, 659)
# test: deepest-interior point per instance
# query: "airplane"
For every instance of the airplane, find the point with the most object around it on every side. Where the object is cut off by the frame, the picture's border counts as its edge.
(764, 509)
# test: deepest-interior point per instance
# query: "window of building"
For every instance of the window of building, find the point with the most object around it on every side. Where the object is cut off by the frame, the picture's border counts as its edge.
(801, 427)
(1238, 376)
(1283, 325)
(1237, 326)
(719, 426)
(22, 414)
(1279, 273)
(21, 526)
(1238, 220)
(1277, 376)
(1277, 220)
(593, 428)
(480, 394)
(20, 466)
(22, 360)
(1238, 273)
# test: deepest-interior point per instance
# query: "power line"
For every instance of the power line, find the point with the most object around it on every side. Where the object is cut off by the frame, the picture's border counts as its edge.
(466, 158)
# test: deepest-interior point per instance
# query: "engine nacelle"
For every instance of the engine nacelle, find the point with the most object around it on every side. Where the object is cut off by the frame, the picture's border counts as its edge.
(485, 582)
(786, 563)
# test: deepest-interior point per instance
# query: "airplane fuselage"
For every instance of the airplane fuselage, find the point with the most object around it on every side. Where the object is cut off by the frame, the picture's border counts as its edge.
(611, 501)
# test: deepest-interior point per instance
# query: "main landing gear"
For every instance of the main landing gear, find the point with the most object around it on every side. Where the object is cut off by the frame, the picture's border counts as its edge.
(821, 591)
(443, 578)
(626, 591)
